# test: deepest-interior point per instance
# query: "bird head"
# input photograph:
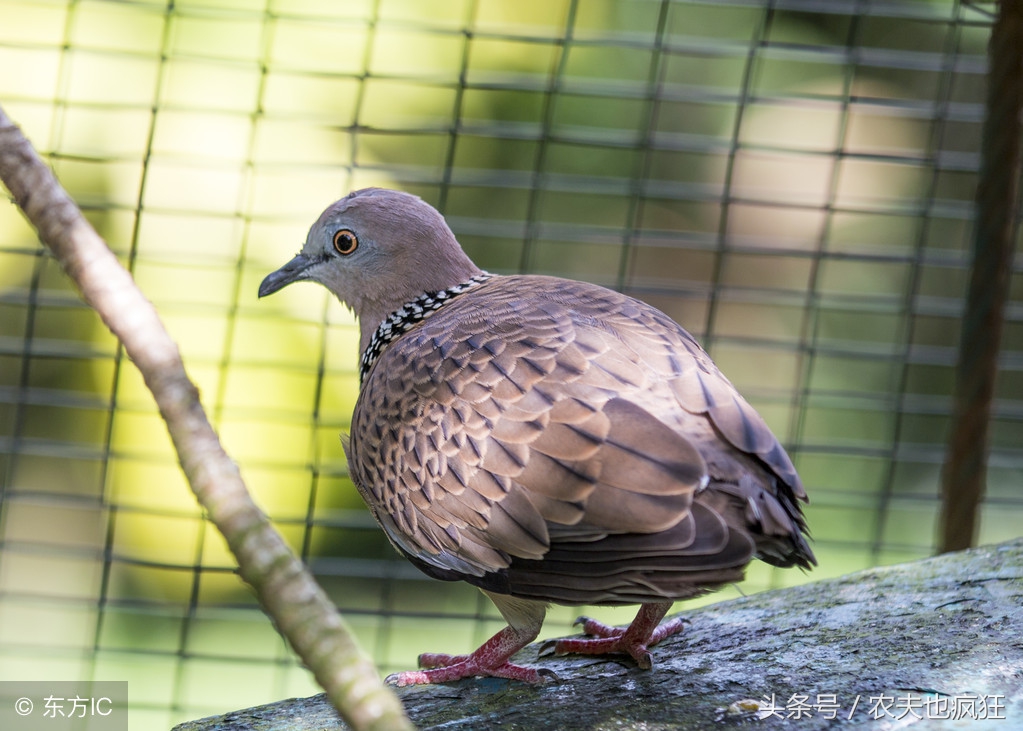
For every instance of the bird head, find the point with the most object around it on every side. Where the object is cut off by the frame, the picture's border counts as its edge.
(375, 250)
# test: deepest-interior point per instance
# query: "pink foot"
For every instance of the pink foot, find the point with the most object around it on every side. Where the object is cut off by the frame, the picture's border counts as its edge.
(634, 640)
(491, 659)
(467, 667)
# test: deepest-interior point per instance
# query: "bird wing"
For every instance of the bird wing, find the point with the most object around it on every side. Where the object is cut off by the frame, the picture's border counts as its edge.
(534, 412)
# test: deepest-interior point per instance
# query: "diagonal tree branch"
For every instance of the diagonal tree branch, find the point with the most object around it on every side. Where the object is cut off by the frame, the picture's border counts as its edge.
(288, 593)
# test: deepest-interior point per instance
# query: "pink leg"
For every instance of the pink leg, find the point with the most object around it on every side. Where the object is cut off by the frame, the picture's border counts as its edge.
(645, 631)
(492, 657)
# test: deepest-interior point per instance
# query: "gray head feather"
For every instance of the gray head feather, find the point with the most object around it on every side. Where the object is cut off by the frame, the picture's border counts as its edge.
(402, 248)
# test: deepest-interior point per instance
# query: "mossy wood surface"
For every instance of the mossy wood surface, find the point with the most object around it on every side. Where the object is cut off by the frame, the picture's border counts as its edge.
(939, 639)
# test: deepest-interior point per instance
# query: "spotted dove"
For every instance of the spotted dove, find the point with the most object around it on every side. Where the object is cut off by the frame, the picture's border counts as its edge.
(543, 439)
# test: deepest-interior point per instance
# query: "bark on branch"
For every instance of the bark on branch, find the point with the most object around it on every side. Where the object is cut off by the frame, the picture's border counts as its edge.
(935, 644)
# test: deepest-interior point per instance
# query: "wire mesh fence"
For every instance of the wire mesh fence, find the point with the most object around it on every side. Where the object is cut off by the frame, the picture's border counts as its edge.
(792, 181)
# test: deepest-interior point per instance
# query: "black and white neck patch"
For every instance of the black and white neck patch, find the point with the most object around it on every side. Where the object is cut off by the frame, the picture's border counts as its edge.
(402, 319)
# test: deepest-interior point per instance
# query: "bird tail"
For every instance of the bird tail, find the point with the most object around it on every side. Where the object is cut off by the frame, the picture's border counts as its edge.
(771, 517)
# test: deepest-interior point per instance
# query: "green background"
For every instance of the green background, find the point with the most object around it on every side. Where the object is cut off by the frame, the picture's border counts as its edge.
(792, 184)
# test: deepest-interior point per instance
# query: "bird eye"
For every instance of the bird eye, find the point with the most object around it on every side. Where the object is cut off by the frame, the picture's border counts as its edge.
(345, 242)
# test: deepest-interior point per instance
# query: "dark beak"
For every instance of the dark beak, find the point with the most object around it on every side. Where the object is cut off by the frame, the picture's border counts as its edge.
(295, 270)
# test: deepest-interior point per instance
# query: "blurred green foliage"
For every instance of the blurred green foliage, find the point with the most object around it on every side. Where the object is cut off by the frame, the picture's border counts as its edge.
(793, 187)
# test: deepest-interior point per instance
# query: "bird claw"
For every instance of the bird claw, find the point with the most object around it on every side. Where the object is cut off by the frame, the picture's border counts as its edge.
(546, 648)
(606, 646)
(429, 660)
(606, 640)
(593, 628)
(590, 627)
(469, 668)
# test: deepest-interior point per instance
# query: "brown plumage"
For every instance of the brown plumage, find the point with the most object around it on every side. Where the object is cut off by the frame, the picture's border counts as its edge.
(543, 439)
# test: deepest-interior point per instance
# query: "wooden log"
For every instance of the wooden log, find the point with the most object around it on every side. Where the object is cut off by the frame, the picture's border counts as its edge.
(940, 639)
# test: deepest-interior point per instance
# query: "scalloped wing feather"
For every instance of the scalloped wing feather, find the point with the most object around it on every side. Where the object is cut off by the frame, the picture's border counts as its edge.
(534, 423)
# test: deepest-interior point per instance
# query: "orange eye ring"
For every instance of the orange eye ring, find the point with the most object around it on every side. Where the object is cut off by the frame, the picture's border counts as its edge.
(345, 242)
